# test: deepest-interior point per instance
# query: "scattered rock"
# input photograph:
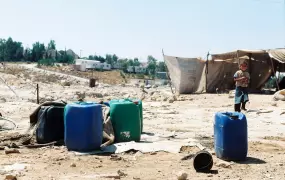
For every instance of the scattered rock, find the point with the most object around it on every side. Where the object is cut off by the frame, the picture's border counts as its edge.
(80, 95)
(72, 165)
(12, 151)
(13, 145)
(95, 94)
(280, 164)
(232, 94)
(170, 100)
(10, 177)
(182, 175)
(3, 100)
(115, 157)
(2, 148)
(223, 164)
(279, 95)
(268, 176)
(121, 173)
(274, 104)
(65, 83)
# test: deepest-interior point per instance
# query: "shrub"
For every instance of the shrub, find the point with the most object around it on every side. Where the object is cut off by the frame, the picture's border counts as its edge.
(46, 62)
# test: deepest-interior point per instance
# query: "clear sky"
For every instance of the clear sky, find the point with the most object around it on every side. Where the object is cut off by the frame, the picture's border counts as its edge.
(137, 28)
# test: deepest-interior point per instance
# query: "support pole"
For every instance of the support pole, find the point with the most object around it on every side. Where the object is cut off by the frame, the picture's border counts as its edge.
(167, 73)
(272, 66)
(250, 66)
(206, 71)
(38, 98)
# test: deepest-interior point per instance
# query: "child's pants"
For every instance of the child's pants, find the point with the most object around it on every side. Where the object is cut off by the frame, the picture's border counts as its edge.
(237, 106)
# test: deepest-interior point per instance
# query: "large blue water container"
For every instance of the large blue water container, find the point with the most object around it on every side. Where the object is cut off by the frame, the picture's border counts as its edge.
(83, 126)
(230, 134)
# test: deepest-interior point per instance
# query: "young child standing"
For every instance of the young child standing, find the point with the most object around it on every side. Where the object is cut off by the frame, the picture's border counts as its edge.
(241, 77)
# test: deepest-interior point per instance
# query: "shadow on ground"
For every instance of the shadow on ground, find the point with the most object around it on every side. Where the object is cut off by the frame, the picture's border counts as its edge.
(252, 160)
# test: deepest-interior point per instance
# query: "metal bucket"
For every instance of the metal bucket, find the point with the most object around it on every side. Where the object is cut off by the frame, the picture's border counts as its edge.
(203, 161)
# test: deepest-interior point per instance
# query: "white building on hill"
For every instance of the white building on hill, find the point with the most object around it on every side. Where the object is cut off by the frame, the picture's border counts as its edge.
(92, 64)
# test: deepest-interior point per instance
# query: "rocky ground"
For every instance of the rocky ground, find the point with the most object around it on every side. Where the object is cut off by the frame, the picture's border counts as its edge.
(187, 117)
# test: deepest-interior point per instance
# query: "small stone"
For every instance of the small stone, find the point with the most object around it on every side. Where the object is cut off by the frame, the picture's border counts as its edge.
(170, 100)
(2, 100)
(65, 83)
(223, 164)
(11, 151)
(182, 175)
(121, 173)
(73, 165)
(274, 104)
(10, 177)
(210, 175)
(2, 147)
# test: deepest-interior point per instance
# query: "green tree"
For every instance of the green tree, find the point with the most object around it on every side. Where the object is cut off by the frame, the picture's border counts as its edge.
(109, 59)
(151, 67)
(130, 62)
(115, 58)
(2, 49)
(137, 62)
(51, 45)
(161, 66)
(101, 59)
(123, 64)
(11, 50)
(28, 54)
(38, 51)
(90, 57)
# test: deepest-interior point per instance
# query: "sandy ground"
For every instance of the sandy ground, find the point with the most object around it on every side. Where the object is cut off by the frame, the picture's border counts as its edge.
(190, 118)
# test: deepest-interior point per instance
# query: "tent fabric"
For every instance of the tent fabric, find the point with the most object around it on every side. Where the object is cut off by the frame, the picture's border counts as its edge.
(220, 75)
(277, 54)
(236, 54)
(186, 74)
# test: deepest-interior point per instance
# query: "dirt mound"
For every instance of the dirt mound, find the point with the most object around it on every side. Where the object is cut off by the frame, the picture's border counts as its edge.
(106, 77)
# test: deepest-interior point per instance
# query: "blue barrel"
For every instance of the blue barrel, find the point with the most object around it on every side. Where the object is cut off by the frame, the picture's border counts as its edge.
(83, 126)
(230, 134)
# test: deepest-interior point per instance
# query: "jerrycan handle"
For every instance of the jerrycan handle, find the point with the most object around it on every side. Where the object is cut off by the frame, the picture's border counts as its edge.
(234, 117)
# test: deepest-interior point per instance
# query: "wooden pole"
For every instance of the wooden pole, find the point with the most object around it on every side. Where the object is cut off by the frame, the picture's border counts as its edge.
(250, 66)
(206, 71)
(274, 74)
(38, 98)
(167, 73)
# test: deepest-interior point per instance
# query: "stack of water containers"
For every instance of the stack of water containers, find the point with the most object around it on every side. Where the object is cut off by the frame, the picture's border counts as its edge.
(83, 123)
(230, 134)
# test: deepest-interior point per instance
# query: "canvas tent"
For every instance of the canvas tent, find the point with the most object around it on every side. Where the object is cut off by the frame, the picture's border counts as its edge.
(186, 74)
(192, 75)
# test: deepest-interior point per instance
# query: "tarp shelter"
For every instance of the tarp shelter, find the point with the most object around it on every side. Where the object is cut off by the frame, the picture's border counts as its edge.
(192, 75)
